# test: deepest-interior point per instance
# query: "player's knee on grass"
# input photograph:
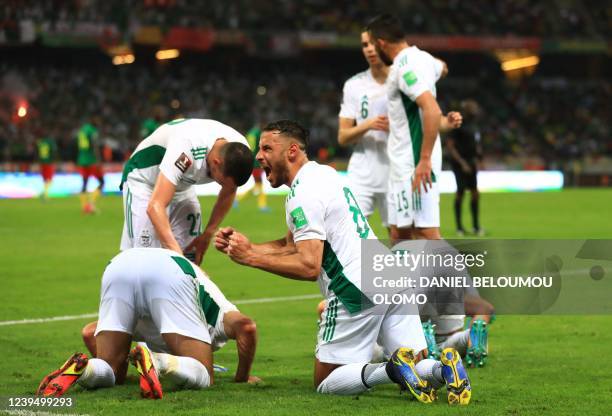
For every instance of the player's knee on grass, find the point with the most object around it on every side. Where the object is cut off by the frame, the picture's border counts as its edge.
(182, 346)
(114, 347)
(88, 334)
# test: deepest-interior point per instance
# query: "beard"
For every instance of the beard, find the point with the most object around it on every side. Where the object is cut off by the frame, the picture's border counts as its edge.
(281, 174)
(386, 59)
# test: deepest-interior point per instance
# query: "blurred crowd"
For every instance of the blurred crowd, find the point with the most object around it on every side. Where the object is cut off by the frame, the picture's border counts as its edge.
(554, 119)
(546, 18)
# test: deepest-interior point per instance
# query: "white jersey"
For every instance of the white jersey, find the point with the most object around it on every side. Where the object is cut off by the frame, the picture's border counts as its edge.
(151, 291)
(321, 206)
(178, 149)
(363, 98)
(413, 72)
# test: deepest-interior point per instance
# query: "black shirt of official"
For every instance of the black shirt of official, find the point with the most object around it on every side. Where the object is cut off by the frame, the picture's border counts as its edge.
(467, 142)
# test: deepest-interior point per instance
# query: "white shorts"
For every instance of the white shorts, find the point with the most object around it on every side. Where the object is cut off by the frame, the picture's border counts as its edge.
(345, 339)
(368, 201)
(146, 293)
(407, 208)
(138, 231)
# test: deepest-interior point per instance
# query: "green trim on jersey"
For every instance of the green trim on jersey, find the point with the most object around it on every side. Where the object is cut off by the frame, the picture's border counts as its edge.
(351, 297)
(144, 158)
(330, 320)
(207, 303)
(209, 306)
(185, 266)
(416, 129)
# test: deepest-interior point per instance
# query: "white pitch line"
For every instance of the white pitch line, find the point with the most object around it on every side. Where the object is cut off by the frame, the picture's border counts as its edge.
(94, 314)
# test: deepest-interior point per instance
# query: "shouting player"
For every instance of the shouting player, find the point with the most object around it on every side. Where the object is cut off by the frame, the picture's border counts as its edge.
(324, 245)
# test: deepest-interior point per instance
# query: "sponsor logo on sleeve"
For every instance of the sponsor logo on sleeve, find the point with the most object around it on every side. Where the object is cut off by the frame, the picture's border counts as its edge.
(410, 78)
(298, 217)
(183, 162)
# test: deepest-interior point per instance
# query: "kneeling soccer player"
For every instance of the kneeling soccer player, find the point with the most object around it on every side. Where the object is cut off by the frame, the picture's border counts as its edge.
(324, 245)
(162, 298)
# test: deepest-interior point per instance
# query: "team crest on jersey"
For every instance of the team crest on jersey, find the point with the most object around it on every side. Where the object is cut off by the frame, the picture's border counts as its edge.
(145, 238)
(183, 162)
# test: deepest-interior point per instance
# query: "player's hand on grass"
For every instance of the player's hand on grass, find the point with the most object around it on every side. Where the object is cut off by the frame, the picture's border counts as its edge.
(200, 245)
(454, 119)
(239, 248)
(378, 123)
(422, 176)
(222, 238)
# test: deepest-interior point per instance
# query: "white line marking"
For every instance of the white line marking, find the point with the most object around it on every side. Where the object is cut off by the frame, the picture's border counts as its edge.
(93, 315)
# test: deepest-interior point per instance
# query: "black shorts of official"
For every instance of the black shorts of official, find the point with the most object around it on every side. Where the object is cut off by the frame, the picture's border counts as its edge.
(465, 180)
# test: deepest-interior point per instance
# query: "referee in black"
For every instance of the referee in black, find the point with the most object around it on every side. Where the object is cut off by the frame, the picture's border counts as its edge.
(463, 146)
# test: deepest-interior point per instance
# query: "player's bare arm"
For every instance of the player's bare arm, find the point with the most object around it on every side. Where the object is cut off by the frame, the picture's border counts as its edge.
(156, 210)
(219, 211)
(303, 264)
(242, 329)
(431, 125)
(349, 132)
(282, 246)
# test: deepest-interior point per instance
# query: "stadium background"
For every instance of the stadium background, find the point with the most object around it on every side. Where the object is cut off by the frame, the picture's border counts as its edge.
(242, 62)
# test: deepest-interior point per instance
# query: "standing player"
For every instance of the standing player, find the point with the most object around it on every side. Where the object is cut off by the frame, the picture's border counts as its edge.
(324, 245)
(465, 151)
(173, 306)
(363, 123)
(47, 151)
(88, 163)
(252, 137)
(415, 119)
(161, 208)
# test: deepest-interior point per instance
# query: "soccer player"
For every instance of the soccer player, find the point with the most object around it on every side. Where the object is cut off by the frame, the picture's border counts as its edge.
(87, 162)
(252, 137)
(363, 124)
(464, 148)
(162, 298)
(415, 119)
(47, 151)
(324, 245)
(161, 208)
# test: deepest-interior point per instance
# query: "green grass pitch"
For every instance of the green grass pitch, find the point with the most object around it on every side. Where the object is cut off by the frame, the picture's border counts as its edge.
(52, 257)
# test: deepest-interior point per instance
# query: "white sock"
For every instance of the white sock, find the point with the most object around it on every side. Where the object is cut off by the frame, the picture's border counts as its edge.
(186, 372)
(97, 374)
(430, 371)
(375, 374)
(347, 380)
(458, 341)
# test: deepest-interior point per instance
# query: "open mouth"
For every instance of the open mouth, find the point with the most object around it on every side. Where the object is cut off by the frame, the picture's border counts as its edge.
(267, 170)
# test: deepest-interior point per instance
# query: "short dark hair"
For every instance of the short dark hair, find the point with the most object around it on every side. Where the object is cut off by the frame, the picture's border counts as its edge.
(237, 162)
(290, 128)
(386, 27)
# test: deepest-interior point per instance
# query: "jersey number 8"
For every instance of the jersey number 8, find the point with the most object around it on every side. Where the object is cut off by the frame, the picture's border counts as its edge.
(358, 218)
